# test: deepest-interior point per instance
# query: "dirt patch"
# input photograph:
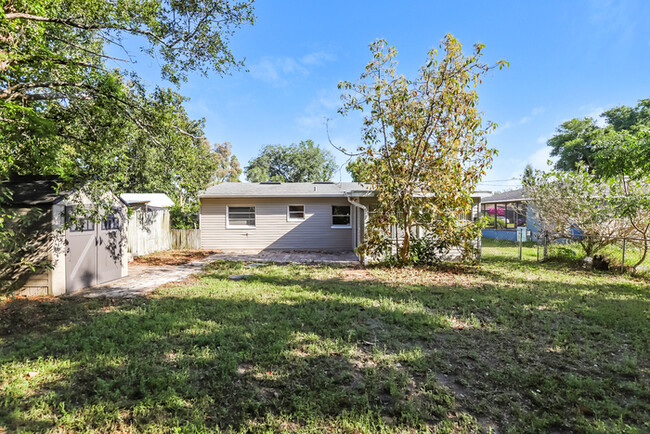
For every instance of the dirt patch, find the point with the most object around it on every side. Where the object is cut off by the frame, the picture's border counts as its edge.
(357, 274)
(173, 257)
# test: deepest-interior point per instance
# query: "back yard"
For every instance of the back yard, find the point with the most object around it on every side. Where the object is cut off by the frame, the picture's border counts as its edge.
(521, 347)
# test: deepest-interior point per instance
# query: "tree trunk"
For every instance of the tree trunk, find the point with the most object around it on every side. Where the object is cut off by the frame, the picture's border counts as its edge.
(406, 242)
(645, 253)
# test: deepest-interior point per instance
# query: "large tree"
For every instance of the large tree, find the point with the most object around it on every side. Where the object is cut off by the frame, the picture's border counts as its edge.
(579, 141)
(58, 92)
(304, 162)
(424, 144)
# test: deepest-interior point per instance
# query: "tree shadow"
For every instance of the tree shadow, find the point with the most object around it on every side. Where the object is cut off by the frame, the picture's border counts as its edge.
(230, 357)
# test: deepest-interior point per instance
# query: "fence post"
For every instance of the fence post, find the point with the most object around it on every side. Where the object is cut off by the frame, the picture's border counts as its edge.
(520, 246)
(623, 262)
(479, 250)
(545, 246)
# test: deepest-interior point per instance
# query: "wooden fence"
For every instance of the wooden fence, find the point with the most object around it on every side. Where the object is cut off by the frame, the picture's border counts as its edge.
(186, 239)
(149, 231)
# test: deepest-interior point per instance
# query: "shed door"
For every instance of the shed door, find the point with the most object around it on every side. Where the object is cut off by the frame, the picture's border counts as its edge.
(109, 253)
(81, 256)
(93, 253)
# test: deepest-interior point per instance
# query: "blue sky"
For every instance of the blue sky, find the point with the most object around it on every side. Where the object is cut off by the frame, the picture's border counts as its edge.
(567, 59)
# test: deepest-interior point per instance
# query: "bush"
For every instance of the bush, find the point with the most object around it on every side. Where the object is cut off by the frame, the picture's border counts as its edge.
(183, 220)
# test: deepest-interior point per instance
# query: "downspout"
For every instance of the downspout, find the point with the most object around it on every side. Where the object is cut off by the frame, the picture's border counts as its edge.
(365, 220)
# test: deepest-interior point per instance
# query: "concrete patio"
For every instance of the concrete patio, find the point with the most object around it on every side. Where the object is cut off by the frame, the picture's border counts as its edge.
(143, 279)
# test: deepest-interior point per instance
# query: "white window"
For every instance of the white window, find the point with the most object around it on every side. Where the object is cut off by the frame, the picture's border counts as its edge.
(241, 217)
(340, 216)
(295, 212)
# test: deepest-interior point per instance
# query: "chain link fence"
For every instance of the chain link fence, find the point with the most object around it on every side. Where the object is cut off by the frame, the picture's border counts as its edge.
(622, 255)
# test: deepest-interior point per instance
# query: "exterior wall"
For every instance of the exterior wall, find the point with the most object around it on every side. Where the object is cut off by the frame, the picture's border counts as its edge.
(36, 283)
(273, 230)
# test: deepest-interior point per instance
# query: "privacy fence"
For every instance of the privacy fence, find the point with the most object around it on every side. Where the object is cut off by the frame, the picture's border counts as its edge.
(186, 239)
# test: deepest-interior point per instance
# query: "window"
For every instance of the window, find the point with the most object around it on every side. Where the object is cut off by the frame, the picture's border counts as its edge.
(241, 217)
(295, 212)
(110, 222)
(510, 215)
(78, 223)
(340, 215)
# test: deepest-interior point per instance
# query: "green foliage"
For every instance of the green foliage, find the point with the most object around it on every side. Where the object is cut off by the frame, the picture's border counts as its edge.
(304, 162)
(424, 144)
(528, 177)
(621, 147)
(574, 144)
(183, 219)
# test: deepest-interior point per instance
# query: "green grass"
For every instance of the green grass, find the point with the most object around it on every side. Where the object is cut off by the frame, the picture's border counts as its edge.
(516, 346)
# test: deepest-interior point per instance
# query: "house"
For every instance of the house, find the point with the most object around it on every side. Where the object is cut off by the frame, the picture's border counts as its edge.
(505, 212)
(324, 216)
(149, 223)
(78, 253)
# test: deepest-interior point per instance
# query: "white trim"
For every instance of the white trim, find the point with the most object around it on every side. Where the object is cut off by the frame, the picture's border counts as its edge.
(332, 215)
(304, 213)
(229, 226)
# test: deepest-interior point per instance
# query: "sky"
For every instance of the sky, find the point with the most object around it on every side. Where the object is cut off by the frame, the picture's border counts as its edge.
(567, 59)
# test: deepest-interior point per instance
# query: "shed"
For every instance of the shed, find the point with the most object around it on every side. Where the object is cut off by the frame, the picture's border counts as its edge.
(149, 223)
(77, 255)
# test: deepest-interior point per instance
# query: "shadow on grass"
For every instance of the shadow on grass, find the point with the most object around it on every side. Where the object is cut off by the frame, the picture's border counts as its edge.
(283, 351)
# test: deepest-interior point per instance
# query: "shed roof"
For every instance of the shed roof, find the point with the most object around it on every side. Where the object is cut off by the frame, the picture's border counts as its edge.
(507, 196)
(34, 190)
(158, 200)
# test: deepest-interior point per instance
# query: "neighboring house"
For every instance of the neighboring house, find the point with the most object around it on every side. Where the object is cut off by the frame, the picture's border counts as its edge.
(80, 255)
(505, 212)
(324, 216)
(149, 224)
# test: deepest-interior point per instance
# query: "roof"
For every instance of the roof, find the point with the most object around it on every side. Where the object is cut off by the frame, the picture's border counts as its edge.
(508, 196)
(158, 200)
(288, 189)
(293, 189)
(34, 190)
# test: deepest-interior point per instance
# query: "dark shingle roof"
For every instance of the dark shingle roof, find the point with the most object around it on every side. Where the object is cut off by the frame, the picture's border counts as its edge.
(285, 189)
(508, 196)
(33, 190)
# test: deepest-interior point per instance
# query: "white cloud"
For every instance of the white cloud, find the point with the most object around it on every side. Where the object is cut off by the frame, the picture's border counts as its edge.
(540, 158)
(276, 70)
(537, 111)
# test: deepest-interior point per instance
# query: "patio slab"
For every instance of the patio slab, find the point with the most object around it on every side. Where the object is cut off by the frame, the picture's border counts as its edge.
(143, 279)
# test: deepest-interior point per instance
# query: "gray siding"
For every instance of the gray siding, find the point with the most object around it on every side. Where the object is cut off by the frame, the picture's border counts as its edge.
(272, 230)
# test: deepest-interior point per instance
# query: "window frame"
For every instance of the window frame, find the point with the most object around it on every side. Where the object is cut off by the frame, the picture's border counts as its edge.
(114, 217)
(294, 219)
(231, 226)
(87, 224)
(349, 215)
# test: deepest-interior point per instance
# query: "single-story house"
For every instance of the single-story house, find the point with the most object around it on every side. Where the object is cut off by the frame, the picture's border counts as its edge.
(324, 216)
(80, 253)
(149, 223)
(505, 212)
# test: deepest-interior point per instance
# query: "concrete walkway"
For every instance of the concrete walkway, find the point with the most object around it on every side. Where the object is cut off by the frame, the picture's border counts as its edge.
(143, 279)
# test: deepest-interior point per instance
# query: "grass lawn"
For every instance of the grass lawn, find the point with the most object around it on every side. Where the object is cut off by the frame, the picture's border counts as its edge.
(512, 346)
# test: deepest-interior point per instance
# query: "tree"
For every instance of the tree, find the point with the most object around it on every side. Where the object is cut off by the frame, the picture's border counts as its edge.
(577, 206)
(424, 144)
(304, 162)
(579, 141)
(56, 88)
(574, 144)
(528, 177)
